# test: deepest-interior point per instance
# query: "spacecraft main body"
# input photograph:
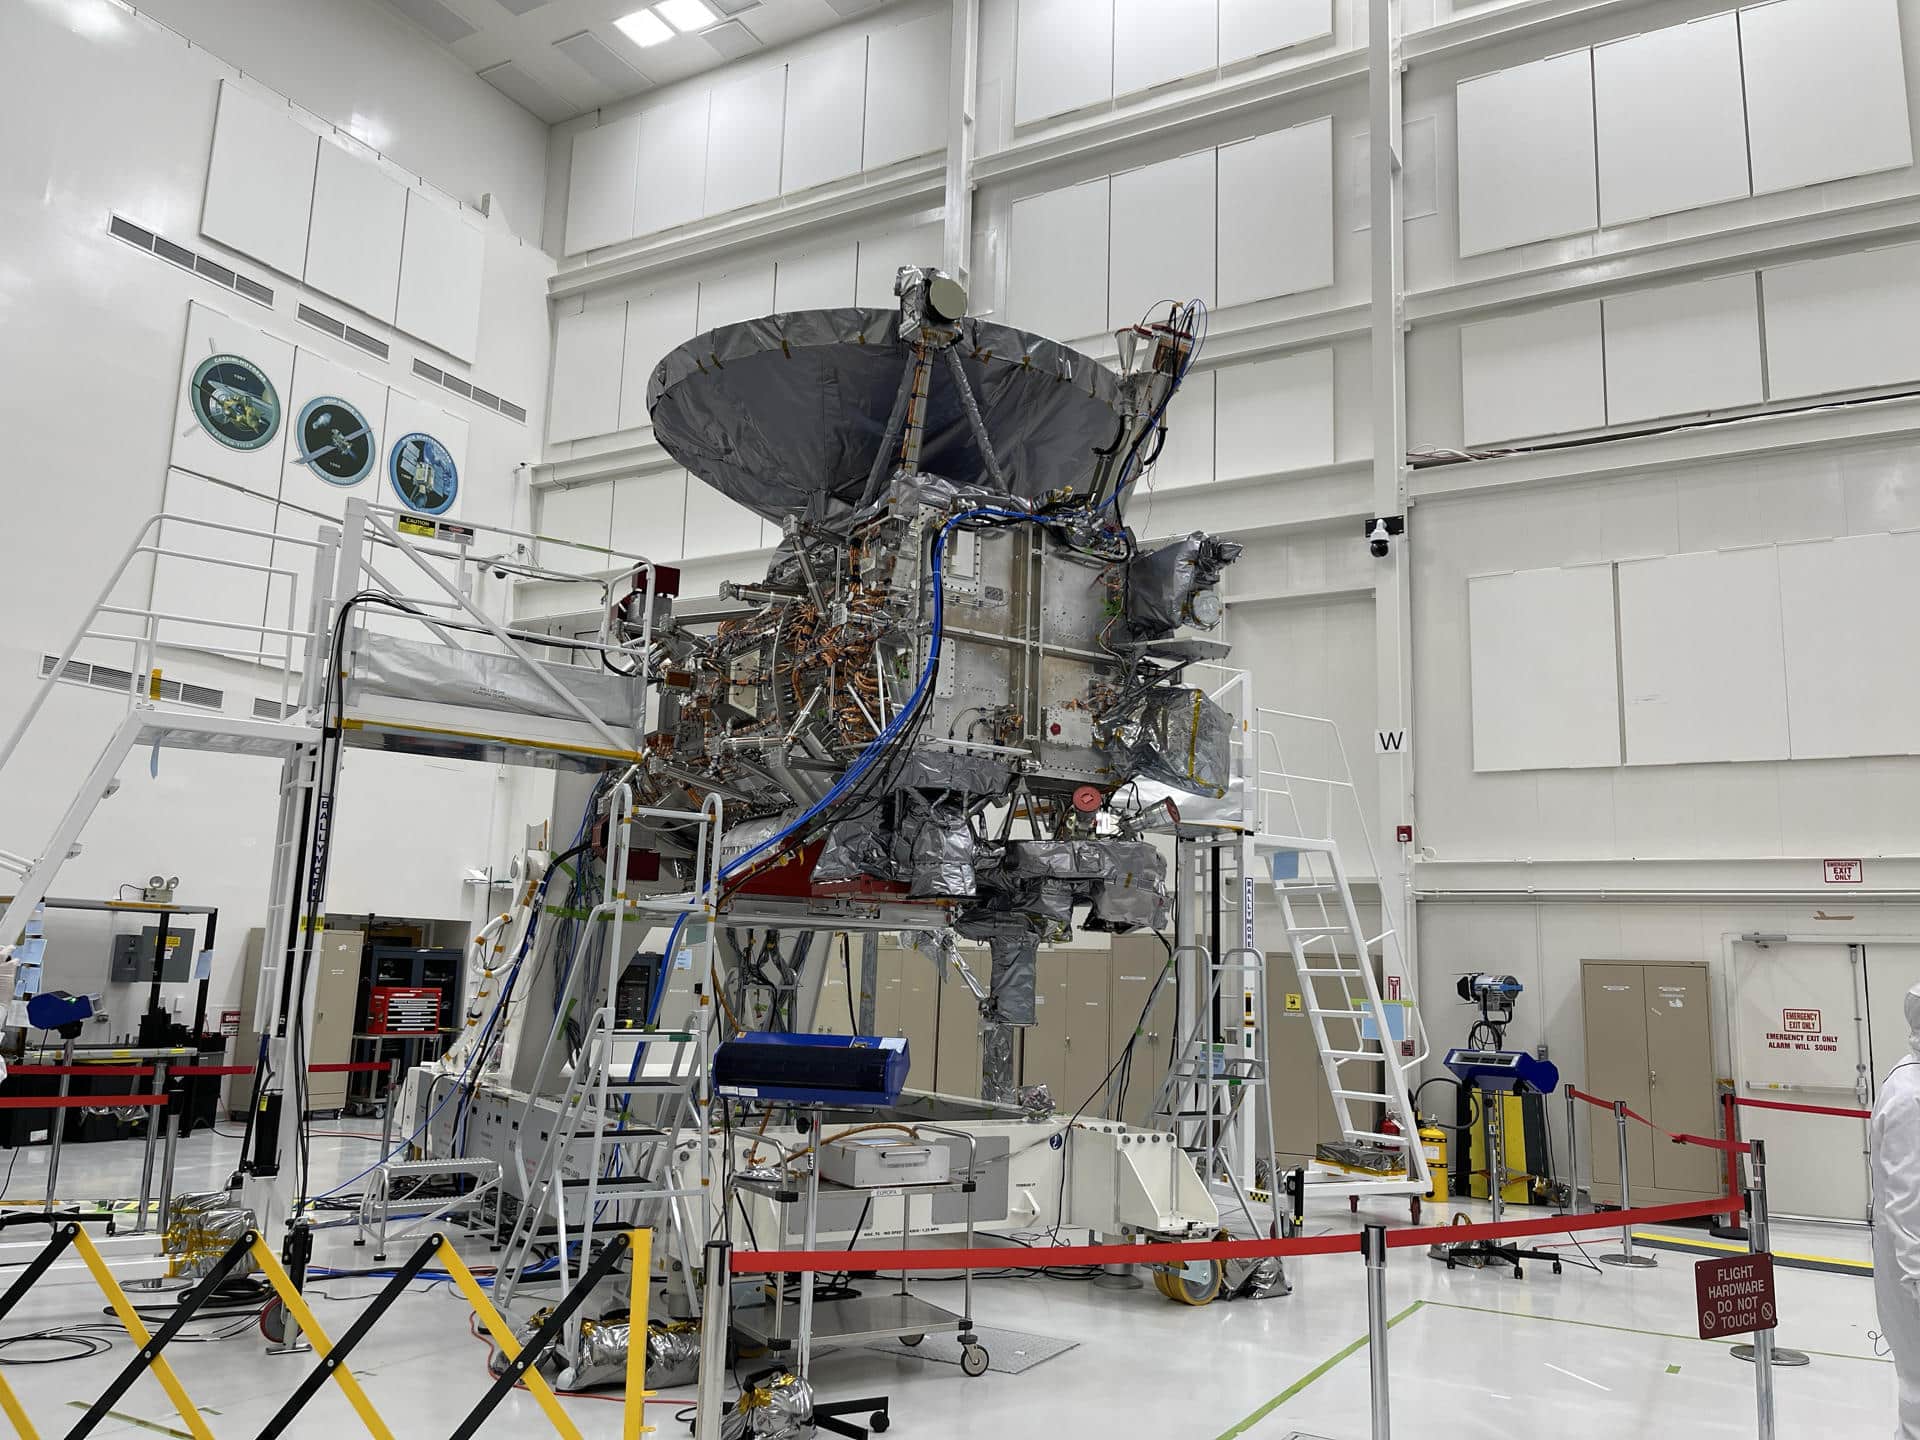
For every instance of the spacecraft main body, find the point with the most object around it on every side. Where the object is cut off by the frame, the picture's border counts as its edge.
(957, 701)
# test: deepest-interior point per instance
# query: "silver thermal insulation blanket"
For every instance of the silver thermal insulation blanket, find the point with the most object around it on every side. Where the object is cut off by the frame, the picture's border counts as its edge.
(787, 413)
(423, 670)
(943, 859)
(1015, 947)
(1134, 893)
(954, 770)
(1180, 738)
(1162, 581)
(201, 1228)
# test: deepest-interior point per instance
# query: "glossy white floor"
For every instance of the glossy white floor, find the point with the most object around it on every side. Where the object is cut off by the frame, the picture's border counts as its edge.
(1606, 1353)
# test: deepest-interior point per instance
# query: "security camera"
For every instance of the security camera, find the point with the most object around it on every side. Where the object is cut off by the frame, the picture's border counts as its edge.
(1380, 533)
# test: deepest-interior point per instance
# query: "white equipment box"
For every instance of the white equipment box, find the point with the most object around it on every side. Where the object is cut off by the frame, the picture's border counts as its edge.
(871, 1162)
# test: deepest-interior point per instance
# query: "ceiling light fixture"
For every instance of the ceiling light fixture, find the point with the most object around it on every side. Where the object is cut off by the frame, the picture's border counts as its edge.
(644, 28)
(688, 16)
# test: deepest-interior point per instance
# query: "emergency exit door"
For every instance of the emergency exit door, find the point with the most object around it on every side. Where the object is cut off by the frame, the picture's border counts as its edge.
(1649, 1035)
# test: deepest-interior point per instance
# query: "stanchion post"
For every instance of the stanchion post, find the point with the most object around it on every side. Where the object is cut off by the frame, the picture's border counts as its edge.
(1730, 1130)
(155, 1117)
(715, 1321)
(1573, 1154)
(1762, 1339)
(386, 1115)
(1373, 1244)
(167, 1158)
(57, 1131)
(1626, 1257)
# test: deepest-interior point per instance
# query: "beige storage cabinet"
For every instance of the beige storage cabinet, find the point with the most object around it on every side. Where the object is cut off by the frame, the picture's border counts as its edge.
(1649, 1039)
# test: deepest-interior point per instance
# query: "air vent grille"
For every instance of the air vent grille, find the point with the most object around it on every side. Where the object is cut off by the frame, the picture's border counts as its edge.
(108, 677)
(322, 321)
(142, 238)
(372, 344)
(427, 372)
(486, 399)
(271, 710)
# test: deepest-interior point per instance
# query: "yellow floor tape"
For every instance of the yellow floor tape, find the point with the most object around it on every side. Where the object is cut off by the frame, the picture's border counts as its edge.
(1695, 1243)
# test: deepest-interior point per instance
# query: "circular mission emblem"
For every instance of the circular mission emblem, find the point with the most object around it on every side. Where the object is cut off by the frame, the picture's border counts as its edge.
(423, 474)
(235, 403)
(336, 442)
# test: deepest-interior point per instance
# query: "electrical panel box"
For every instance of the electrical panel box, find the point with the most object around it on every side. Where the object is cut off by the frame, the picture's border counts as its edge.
(132, 961)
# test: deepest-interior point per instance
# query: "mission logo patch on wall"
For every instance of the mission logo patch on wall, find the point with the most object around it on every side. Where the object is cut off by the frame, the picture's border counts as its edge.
(336, 441)
(235, 403)
(423, 474)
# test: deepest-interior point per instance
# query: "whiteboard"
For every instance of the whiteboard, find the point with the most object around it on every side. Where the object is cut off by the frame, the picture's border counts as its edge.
(1187, 457)
(1057, 262)
(1256, 27)
(1850, 610)
(359, 220)
(441, 263)
(1534, 374)
(1679, 349)
(1527, 154)
(817, 280)
(1847, 322)
(1546, 694)
(650, 514)
(1161, 233)
(260, 180)
(745, 293)
(671, 181)
(657, 323)
(906, 101)
(1158, 41)
(882, 256)
(1702, 658)
(1275, 415)
(717, 525)
(1826, 90)
(826, 105)
(743, 141)
(1276, 213)
(1672, 132)
(600, 185)
(1063, 57)
(588, 347)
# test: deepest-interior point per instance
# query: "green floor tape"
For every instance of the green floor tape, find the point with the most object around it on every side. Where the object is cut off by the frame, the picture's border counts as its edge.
(1673, 1369)
(1632, 1330)
(1307, 1379)
(155, 1426)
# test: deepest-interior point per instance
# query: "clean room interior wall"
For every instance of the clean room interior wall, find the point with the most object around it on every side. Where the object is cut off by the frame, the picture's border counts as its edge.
(96, 330)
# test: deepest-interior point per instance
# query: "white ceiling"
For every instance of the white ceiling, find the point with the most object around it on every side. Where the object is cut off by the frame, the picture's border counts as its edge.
(543, 53)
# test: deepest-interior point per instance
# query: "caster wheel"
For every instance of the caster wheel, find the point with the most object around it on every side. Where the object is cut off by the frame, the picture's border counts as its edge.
(973, 1361)
(1518, 1273)
(1353, 1204)
(1556, 1267)
(274, 1323)
(910, 1340)
(878, 1422)
(1415, 1208)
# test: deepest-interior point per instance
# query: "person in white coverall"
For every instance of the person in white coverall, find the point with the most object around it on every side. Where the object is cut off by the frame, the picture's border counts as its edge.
(1893, 1139)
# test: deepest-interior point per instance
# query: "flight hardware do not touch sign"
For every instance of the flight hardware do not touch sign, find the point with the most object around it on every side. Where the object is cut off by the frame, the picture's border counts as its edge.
(1734, 1295)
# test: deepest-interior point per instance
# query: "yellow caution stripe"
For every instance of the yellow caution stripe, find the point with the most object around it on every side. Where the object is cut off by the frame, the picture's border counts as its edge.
(1698, 1245)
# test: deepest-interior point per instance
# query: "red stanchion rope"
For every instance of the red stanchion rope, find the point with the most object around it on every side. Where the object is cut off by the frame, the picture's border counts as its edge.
(140, 1070)
(78, 1102)
(1846, 1113)
(1736, 1147)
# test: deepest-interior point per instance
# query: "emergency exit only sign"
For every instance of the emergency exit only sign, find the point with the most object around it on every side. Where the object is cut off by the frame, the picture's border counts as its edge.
(1845, 872)
(1734, 1295)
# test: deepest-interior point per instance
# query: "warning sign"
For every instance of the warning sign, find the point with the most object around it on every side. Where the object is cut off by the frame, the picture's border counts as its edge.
(1734, 1295)
(1295, 1002)
(1800, 1030)
(1806, 1021)
(1844, 872)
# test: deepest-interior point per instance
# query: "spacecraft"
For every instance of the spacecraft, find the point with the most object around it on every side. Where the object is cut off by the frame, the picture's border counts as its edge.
(957, 702)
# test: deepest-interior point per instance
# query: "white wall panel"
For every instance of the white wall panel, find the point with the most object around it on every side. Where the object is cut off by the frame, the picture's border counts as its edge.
(1063, 57)
(441, 265)
(221, 593)
(826, 107)
(650, 514)
(260, 180)
(1545, 688)
(256, 434)
(745, 293)
(717, 525)
(1826, 90)
(1671, 122)
(1702, 659)
(818, 280)
(581, 513)
(600, 185)
(409, 414)
(1846, 322)
(1276, 213)
(1162, 233)
(1275, 415)
(671, 183)
(1187, 457)
(1526, 154)
(883, 255)
(316, 484)
(657, 322)
(359, 220)
(906, 90)
(743, 141)
(1539, 373)
(1257, 27)
(588, 347)
(1158, 41)
(1057, 262)
(1678, 349)
(1850, 609)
